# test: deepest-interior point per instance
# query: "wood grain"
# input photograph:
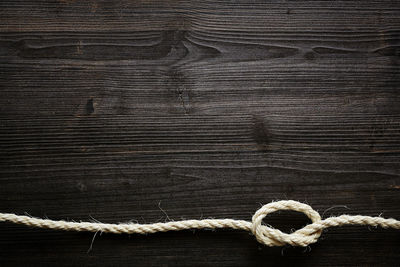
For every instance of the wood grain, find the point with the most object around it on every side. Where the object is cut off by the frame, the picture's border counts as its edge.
(123, 110)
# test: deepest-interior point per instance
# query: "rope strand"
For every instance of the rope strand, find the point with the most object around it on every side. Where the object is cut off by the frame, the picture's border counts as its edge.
(264, 234)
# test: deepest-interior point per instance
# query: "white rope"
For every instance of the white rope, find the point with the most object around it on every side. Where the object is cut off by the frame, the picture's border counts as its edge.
(264, 234)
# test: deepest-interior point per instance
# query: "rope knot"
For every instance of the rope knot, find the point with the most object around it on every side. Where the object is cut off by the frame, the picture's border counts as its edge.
(274, 237)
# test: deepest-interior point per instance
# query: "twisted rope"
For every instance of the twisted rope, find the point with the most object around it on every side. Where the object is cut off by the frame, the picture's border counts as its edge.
(264, 234)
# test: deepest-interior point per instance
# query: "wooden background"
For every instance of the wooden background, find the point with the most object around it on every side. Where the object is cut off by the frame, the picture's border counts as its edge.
(123, 110)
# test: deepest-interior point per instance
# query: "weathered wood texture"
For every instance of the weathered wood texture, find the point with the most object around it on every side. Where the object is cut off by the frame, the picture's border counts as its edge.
(211, 107)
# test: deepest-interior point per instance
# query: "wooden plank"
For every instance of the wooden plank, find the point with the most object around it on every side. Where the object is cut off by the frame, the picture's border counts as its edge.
(125, 110)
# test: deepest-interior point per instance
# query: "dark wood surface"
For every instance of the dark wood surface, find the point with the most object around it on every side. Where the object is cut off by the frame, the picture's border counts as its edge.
(130, 110)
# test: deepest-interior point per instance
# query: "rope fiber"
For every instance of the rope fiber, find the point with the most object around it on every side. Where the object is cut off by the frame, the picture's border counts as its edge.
(264, 234)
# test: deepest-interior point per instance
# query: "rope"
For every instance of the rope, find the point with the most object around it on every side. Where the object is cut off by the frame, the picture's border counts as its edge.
(264, 234)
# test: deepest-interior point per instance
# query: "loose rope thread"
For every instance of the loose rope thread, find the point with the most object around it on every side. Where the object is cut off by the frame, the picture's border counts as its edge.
(264, 234)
